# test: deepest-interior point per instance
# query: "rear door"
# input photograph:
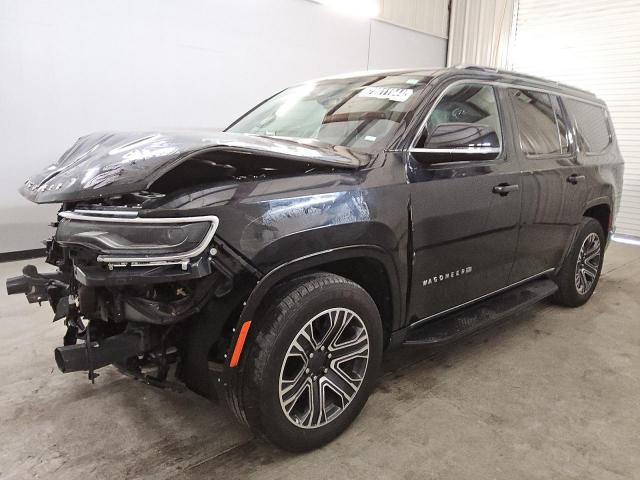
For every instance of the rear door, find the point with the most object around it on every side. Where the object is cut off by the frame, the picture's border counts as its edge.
(464, 230)
(553, 183)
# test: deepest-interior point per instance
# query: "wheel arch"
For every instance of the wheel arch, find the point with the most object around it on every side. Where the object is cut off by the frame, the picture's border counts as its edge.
(367, 265)
(600, 210)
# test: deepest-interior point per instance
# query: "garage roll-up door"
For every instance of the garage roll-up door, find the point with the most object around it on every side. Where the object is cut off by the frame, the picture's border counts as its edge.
(595, 45)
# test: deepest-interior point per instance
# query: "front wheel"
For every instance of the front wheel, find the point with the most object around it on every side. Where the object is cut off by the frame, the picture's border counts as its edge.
(579, 275)
(313, 361)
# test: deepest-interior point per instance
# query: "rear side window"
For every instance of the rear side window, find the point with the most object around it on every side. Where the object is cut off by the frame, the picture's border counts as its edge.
(541, 128)
(591, 125)
(563, 125)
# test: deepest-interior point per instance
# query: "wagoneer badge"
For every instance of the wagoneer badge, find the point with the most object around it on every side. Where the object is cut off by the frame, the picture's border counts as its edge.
(447, 276)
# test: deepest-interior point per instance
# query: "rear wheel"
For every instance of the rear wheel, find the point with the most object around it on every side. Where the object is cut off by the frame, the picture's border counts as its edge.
(580, 272)
(313, 362)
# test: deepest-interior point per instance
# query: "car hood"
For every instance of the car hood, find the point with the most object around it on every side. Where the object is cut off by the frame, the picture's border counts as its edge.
(106, 164)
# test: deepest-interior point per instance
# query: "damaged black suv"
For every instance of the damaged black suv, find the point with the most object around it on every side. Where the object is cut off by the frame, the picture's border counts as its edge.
(271, 264)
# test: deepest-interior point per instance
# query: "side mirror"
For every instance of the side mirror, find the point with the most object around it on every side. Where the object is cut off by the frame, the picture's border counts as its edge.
(456, 142)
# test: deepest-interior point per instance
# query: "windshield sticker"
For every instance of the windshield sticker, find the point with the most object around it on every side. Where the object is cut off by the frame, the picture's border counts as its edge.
(370, 138)
(412, 81)
(395, 94)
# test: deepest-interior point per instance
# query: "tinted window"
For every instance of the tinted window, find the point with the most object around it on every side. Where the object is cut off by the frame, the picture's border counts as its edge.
(563, 125)
(591, 125)
(465, 104)
(537, 123)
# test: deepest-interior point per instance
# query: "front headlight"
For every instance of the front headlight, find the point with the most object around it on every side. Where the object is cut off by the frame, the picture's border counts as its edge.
(127, 239)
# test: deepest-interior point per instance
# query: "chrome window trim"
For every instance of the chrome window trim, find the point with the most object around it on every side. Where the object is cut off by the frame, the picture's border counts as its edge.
(479, 150)
(181, 258)
(495, 84)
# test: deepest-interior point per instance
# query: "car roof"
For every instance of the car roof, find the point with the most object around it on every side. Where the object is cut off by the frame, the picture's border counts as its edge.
(479, 72)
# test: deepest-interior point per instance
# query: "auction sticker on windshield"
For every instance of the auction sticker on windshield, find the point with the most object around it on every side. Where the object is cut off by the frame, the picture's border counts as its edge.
(387, 93)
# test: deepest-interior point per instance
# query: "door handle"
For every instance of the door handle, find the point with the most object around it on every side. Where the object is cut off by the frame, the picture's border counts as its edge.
(504, 189)
(575, 178)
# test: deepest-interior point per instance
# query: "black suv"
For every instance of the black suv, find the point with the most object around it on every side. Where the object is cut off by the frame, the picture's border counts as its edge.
(271, 264)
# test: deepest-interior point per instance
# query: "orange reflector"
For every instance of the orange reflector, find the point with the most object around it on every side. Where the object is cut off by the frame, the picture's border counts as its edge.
(242, 336)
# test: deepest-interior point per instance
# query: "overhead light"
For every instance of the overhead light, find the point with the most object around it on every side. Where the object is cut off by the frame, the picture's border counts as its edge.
(359, 8)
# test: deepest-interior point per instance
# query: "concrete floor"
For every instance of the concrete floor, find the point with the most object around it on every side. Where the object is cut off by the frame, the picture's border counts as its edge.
(552, 393)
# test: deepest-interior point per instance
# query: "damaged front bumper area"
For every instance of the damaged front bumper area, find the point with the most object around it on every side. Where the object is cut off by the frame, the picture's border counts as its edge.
(130, 288)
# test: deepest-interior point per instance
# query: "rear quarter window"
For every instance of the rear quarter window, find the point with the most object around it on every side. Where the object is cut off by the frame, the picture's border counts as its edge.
(591, 124)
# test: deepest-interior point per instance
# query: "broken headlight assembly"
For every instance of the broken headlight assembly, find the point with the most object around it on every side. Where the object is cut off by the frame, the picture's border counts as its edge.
(122, 240)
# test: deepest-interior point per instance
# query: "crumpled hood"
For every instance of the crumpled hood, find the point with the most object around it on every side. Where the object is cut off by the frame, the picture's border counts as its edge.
(114, 163)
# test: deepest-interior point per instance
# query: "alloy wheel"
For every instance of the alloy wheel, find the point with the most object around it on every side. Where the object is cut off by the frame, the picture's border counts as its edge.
(324, 368)
(588, 263)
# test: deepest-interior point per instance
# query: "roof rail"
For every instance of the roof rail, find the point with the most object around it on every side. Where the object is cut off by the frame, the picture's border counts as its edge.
(523, 76)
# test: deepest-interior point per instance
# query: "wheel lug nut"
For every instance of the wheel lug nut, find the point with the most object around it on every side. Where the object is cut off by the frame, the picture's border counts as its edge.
(315, 378)
(307, 370)
(325, 370)
(311, 355)
(322, 348)
(329, 355)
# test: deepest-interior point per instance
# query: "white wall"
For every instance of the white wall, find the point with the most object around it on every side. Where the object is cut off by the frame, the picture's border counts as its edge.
(428, 16)
(71, 67)
(480, 32)
(397, 47)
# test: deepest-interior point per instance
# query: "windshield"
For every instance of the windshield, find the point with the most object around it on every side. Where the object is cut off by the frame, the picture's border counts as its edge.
(359, 113)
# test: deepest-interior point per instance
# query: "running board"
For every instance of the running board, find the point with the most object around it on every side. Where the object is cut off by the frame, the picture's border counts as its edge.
(478, 316)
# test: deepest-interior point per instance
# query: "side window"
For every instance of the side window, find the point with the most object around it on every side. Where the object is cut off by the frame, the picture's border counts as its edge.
(591, 124)
(563, 125)
(465, 117)
(541, 132)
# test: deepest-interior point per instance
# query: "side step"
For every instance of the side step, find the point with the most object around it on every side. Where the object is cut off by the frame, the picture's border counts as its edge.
(480, 315)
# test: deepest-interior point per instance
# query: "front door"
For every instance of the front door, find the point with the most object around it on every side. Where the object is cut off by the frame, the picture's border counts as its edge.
(464, 214)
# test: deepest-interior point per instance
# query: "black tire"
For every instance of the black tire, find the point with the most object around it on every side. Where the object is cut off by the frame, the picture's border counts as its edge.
(293, 307)
(573, 293)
